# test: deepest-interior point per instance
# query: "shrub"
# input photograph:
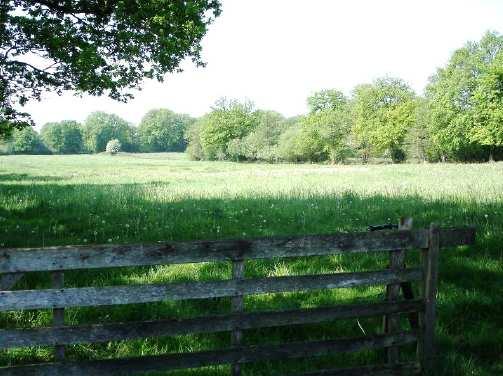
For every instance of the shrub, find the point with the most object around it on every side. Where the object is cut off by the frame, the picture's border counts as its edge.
(113, 146)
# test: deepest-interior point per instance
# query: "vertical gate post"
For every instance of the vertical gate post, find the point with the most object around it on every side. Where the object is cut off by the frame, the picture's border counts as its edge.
(237, 306)
(58, 314)
(426, 346)
(392, 321)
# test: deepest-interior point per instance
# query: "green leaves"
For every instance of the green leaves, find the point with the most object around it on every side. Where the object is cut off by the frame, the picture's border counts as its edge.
(162, 130)
(383, 113)
(93, 47)
(63, 137)
(100, 127)
(465, 99)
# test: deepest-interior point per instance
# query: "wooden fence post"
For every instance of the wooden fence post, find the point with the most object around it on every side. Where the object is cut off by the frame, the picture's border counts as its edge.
(237, 306)
(392, 321)
(426, 344)
(58, 314)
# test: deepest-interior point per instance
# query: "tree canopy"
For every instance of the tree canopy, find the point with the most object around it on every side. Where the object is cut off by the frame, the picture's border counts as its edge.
(64, 137)
(100, 128)
(327, 99)
(383, 113)
(93, 46)
(163, 130)
(464, 97)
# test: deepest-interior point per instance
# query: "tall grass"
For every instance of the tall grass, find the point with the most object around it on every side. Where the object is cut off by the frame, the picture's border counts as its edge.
(55, 200)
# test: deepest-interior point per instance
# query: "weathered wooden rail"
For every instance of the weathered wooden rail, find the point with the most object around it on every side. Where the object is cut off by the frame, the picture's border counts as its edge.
(15, 262)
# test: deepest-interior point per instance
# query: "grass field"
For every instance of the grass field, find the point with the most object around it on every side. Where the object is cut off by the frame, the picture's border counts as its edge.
(86, 199)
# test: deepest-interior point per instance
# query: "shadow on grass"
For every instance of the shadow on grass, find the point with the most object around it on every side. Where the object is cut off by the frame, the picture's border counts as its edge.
(470, 306)
(29, 178)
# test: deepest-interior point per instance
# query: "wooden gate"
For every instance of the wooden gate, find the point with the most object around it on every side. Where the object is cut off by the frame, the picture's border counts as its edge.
(56, 260)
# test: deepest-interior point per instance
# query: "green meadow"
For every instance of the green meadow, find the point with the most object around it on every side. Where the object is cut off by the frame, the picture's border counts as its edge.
(146, 198)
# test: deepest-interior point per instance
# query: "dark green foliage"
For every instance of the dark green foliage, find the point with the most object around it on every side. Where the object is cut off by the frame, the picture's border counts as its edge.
(162, 130)
(93, 46)
(100, 127)
(25, 141)
(63, 137)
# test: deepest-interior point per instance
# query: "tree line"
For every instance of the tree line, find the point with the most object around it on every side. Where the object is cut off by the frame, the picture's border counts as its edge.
(459, 118)
(160, 130)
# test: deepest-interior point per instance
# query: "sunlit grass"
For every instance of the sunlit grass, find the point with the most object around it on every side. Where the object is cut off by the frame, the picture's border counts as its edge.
(141, 198)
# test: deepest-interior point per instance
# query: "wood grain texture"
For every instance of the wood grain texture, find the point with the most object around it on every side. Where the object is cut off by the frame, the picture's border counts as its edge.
(133, 366)
(116, 295)
(14, 260)
(133, 330)
(58, 314)
(237, 306)
(427, 349)
(392, 321)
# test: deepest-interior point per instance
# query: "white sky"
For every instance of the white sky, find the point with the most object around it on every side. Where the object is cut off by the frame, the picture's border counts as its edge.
(277, 52)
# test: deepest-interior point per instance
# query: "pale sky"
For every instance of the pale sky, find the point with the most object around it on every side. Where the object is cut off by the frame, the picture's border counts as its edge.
(277, 52)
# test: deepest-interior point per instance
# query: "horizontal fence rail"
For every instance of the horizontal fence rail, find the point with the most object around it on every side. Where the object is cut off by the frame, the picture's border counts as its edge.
(133, 330)
(116, 295)
(402, 369)
(55, 260)
(200, 359)
(106, 256)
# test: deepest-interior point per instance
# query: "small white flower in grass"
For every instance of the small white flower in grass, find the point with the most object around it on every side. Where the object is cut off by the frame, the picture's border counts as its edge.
(127, 225)
(95, 232)
(85, 240)
(109, 240)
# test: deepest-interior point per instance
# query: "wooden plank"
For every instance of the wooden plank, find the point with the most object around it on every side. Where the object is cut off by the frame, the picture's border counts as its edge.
(105, 256)
(192, 360)
(237, 307)
(58, 314)
(405, 369)
(392, 321)
(133, 330)
(115, 295)
(427, 348)
(9, 280)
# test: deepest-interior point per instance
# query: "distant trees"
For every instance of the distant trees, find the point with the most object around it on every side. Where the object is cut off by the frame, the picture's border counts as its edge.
(64, 137)
(228, 122)
(383, 113)
(100, 127)
(465, 102)
(25, 141)
(163, 130)
(237, 131)
(328, 99)
(459, 118)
